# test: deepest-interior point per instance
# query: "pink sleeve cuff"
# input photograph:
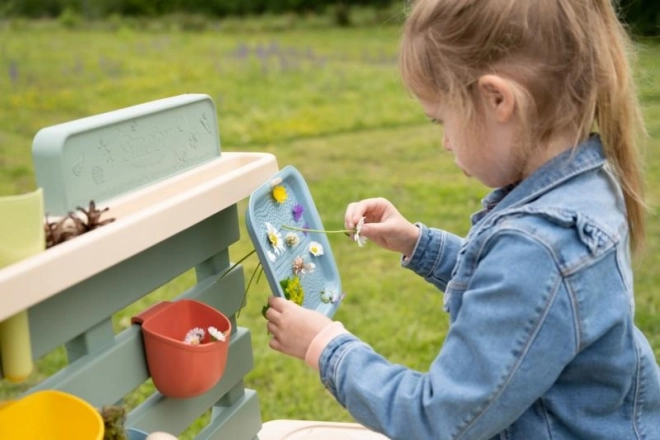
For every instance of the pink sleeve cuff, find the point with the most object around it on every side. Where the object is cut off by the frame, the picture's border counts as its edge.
(320, 341)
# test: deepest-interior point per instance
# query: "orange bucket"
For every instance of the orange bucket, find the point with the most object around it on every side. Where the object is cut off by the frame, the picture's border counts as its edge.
(180, 369)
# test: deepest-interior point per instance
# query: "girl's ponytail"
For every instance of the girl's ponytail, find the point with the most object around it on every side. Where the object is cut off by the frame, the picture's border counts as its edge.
(618, 115)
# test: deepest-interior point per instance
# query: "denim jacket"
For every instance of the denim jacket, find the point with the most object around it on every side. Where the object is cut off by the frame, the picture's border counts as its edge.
(542, 343)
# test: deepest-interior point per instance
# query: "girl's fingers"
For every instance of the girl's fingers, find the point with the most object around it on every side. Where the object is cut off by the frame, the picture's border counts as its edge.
(355, 211)
(275, 344)
(271, 327)
(349, 217)
(276, 303)
(273, 315)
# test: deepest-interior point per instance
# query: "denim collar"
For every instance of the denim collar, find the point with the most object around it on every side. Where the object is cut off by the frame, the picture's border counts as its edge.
(587, 156)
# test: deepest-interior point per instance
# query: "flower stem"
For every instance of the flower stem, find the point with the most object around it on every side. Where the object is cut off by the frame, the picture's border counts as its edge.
(237, 263)
(258, 269)
(339, 231)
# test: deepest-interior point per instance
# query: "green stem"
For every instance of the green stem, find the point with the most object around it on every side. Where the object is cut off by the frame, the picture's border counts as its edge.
(261, 272)
(340, 231)
(256, 269)
(237, 263)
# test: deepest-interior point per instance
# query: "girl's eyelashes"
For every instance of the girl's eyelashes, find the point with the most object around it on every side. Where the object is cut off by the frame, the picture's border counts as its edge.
(435, 121)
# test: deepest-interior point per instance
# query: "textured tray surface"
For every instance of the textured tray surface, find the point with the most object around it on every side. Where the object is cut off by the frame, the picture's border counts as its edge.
(323, 282)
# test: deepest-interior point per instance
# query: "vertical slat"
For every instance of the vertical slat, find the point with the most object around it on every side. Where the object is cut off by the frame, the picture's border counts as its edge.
(92, 341)
(241, 421)
(231, 397)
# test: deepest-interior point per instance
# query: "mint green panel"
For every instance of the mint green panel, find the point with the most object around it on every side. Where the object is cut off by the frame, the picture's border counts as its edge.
(105, 155)
(60, 318)
(175, 415)
(242, 420)
(104, 378)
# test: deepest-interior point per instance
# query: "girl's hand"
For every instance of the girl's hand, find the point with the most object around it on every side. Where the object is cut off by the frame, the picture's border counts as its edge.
(293, 327)
(383, 225)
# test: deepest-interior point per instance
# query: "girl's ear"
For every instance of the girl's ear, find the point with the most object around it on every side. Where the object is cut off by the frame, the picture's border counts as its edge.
(497, 96)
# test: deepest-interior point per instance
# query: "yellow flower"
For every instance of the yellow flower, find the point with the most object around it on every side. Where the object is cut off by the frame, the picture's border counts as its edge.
(293, 290)
(279, 194)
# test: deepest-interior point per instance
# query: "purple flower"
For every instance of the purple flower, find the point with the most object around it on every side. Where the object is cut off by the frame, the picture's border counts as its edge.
(298, 212)
(305, 226)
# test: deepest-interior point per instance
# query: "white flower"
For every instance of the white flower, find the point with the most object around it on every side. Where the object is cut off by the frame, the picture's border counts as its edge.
(275, 238)
(216, 334)
(194, 336)
(359, 240)
(271, 256)
(335, 297)
(331, 297)
(300, 267)
(292, 239)
(315, 248)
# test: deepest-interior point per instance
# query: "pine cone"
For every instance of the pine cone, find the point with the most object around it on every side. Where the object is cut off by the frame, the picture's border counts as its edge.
(71, 225)
(94, 216)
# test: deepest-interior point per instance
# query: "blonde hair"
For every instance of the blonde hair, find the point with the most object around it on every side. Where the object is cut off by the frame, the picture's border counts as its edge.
(568, 62)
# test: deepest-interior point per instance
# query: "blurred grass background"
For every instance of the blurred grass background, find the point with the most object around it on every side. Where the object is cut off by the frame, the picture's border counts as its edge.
(325, 100)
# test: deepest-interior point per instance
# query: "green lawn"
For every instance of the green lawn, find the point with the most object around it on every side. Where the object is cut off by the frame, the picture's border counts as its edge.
(328, 102)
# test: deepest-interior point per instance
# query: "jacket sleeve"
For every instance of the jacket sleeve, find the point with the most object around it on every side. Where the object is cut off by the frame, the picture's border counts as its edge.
(512, 338)
(434, 256)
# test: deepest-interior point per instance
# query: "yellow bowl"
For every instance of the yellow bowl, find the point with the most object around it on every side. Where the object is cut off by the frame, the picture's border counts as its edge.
(52, 415)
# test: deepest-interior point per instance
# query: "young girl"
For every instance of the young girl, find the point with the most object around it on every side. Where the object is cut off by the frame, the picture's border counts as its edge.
(542, 343)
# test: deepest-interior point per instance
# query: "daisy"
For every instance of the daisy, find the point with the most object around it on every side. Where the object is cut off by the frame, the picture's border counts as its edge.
(194, 336)
(271, 256)
(315, 248)
(291, 239)
(356, 236)
(216, 335)
(275, 238)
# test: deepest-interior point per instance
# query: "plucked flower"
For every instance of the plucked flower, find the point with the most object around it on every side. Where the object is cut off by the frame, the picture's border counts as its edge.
(356, 236)
(297, 212)
(315, 248)
(271, 256)
(291, 239)
(301, 267)
(275, 238)
(293, 290)
(279, 194)
(216, 335)
(331, 297)
(194, 336)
